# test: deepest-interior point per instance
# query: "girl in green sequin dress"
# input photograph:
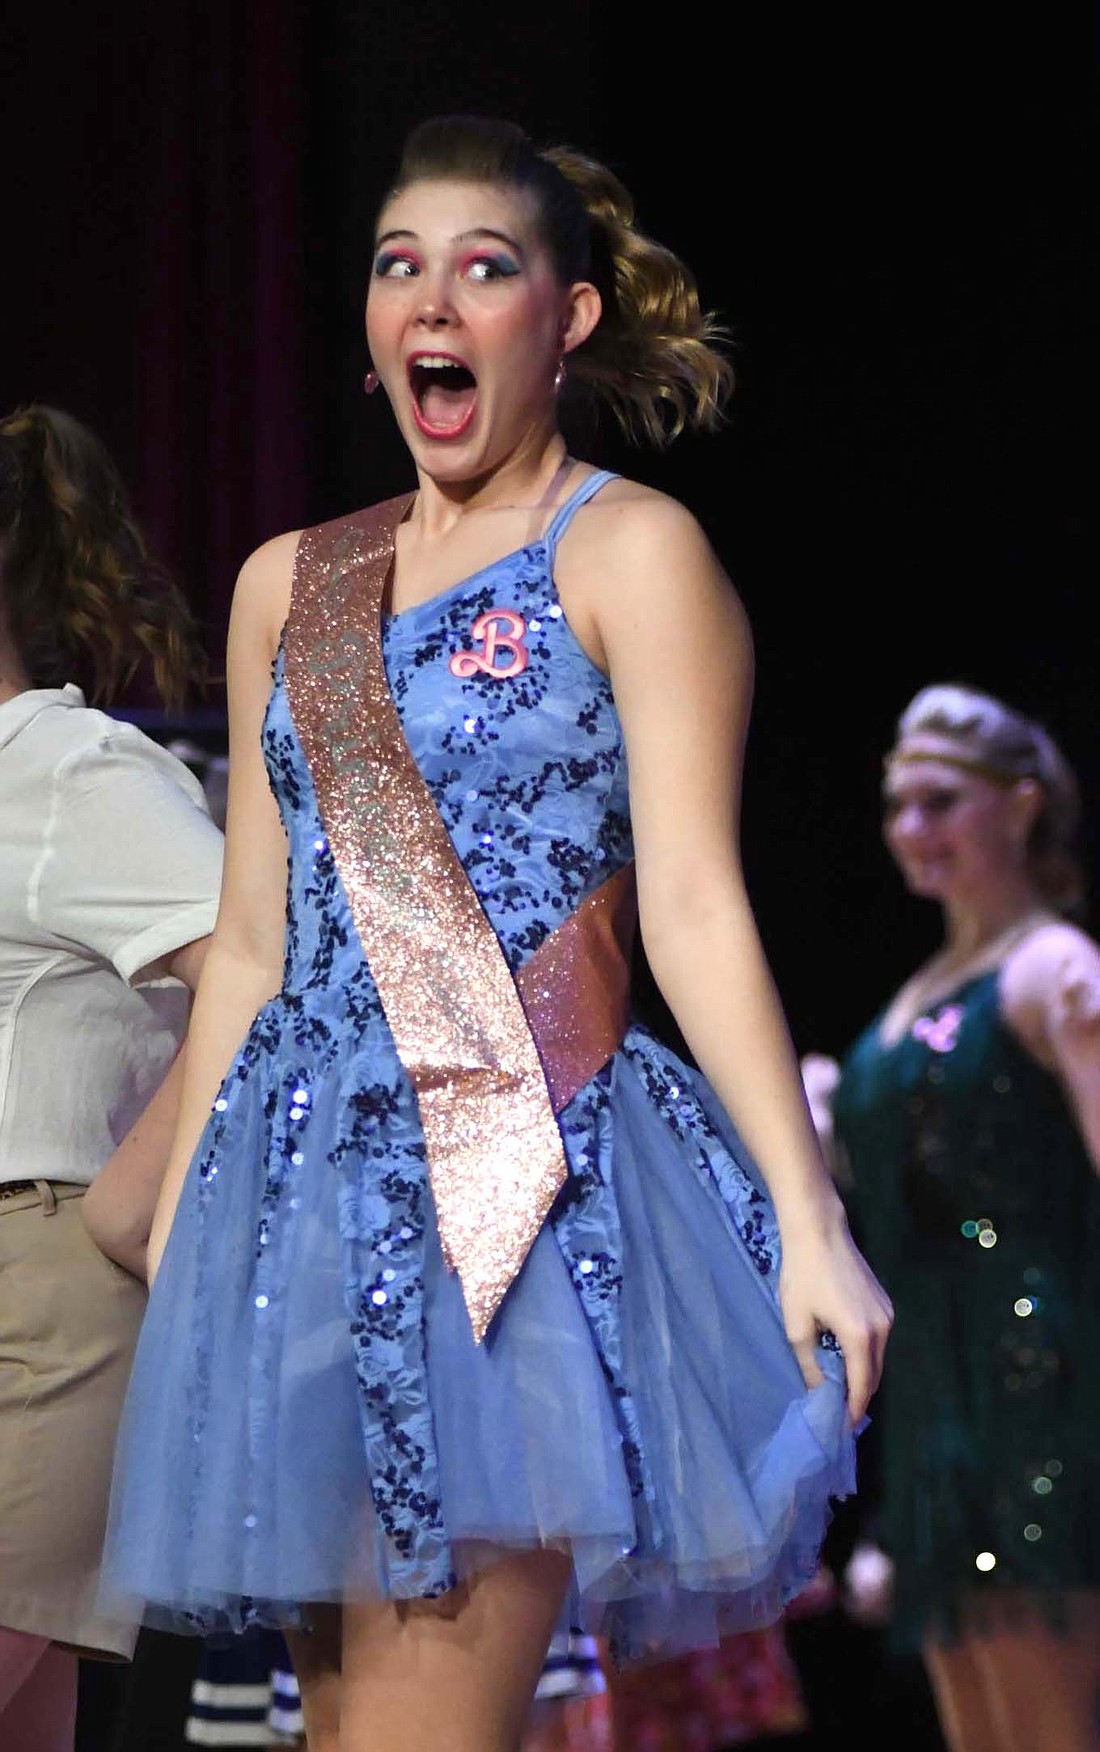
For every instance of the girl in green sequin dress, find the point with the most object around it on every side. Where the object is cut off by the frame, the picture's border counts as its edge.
(966, 1120)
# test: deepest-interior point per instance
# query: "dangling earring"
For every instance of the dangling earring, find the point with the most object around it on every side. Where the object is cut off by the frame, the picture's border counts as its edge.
(370, 383)
(559, 377)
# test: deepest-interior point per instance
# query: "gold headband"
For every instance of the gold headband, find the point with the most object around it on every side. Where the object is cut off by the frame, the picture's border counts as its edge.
(963, 763)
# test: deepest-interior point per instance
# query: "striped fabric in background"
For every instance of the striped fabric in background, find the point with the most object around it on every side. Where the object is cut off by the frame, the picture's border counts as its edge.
(245, 1694)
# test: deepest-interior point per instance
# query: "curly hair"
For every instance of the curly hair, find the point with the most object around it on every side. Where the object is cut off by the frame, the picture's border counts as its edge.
(655, 358)
(81, 598)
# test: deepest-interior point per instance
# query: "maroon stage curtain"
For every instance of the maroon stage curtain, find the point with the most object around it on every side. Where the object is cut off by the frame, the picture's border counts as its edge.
(156, 223)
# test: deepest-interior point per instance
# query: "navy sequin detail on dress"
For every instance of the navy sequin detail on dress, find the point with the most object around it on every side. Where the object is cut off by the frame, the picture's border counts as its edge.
(636, 1400)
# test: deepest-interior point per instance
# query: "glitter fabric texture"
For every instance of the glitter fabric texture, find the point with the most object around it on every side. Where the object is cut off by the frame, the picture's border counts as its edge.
(310, 1415)
(980, 1210)
(494, 1150)
(576, 987)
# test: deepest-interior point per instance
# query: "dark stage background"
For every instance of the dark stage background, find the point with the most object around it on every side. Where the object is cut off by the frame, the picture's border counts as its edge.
(893, 210)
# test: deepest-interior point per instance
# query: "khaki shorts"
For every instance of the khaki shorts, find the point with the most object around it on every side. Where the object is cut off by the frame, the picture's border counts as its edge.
(69, 1320)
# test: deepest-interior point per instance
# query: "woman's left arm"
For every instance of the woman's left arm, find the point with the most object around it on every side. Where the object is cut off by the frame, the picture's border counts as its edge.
(119, 1204)
(678, 650)
(1050, 990)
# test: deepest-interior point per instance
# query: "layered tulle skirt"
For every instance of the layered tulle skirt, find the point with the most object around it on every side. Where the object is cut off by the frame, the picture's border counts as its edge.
(309, 1418)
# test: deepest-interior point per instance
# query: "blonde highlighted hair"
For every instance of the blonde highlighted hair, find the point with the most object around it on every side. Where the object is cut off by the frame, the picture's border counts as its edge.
(81, 598)
(1007, 746)
(656, 359)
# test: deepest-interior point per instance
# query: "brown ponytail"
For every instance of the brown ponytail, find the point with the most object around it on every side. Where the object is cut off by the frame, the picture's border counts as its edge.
(655, 358)
(81, 597)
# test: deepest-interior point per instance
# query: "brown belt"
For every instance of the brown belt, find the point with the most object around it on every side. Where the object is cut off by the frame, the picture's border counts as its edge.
(49, 1191)
(12, 1188)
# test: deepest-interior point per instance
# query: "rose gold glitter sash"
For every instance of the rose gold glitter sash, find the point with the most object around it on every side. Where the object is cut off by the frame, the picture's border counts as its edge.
(491, 1057)
(575, 989)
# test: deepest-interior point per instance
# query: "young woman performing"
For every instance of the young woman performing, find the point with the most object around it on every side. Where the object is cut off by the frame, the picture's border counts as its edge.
(471, 1320)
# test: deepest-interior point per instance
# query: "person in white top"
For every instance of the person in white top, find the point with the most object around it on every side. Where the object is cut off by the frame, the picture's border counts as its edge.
(108, 891)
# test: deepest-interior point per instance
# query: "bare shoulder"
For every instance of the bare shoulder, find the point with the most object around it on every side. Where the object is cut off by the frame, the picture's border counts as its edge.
(1047, 952)
(635, 551)
(628, 519)
(261, 596)
(1054, 972)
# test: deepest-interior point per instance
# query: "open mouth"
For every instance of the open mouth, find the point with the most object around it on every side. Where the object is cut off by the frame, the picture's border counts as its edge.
(444, 392)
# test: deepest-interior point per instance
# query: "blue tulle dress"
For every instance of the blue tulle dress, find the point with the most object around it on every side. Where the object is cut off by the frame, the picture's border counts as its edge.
(309, 1418)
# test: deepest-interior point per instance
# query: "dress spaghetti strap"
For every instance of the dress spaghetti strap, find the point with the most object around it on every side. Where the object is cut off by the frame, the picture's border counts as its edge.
(564, 515)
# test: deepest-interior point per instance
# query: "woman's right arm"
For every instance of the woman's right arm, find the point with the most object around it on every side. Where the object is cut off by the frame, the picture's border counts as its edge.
(243, 966)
